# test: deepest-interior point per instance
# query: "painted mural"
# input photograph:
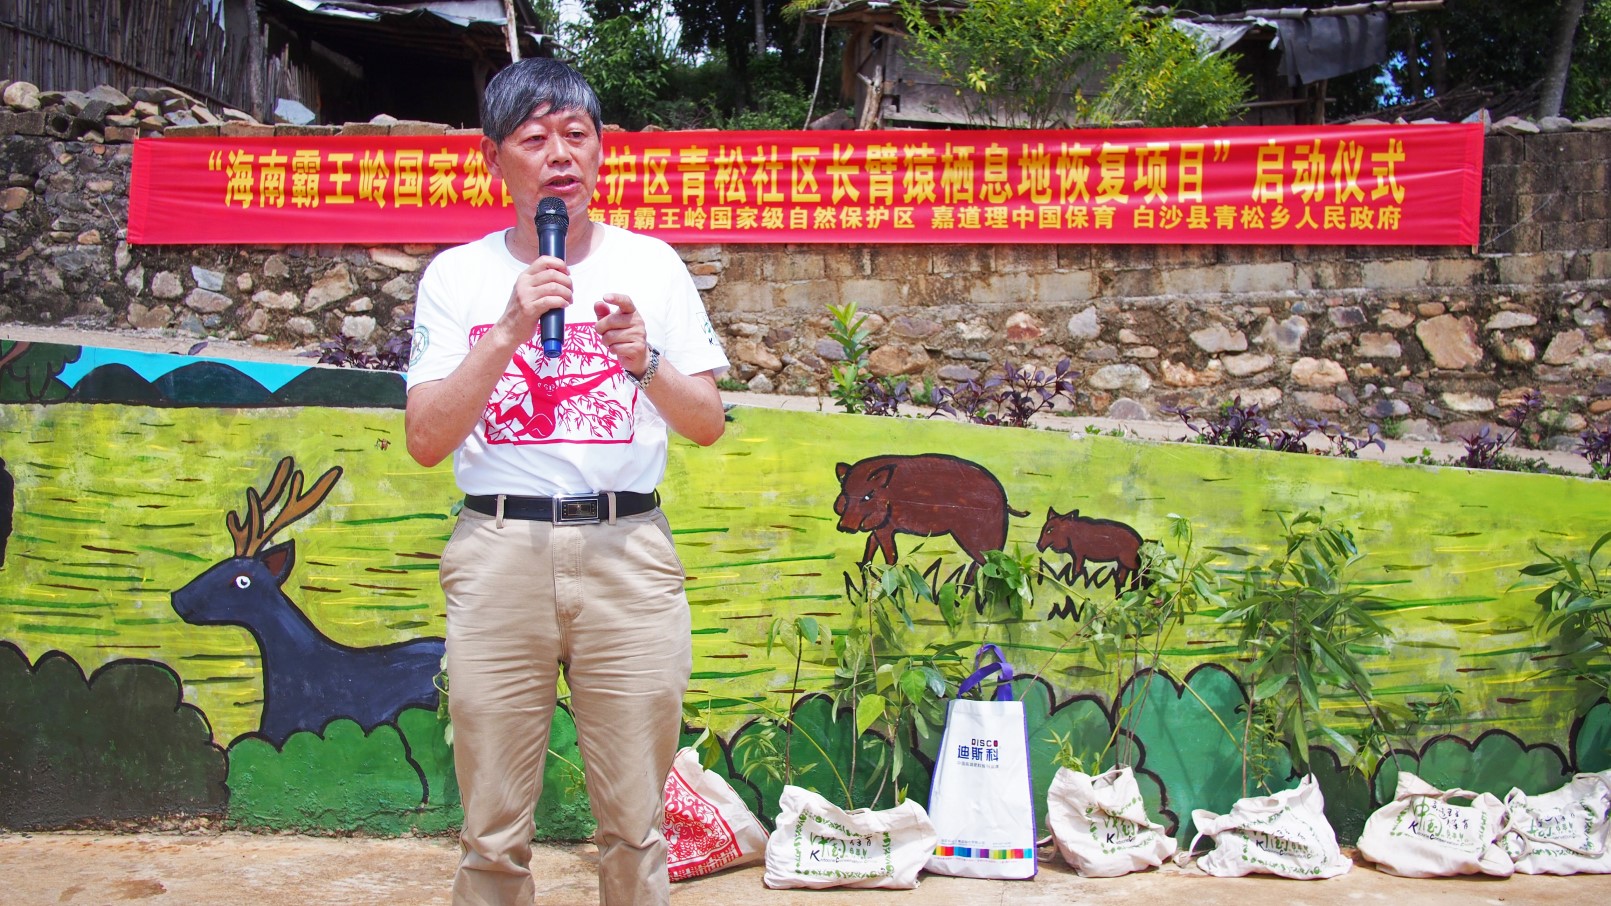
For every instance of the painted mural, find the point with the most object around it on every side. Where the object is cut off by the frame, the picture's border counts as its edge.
(244, 558)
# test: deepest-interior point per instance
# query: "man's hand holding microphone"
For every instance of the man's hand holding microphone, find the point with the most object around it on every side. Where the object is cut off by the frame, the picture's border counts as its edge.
(543, 290)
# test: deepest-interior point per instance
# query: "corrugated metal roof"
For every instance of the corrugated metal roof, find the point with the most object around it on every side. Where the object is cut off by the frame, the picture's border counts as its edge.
(458, 12)
(451, 29)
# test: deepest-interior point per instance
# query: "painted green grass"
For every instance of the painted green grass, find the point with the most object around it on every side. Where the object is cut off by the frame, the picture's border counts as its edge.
(116, 508)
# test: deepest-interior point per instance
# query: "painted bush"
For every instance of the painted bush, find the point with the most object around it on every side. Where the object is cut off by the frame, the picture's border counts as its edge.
(1591, 739)
(1192, 735)
(341, 779)
(31, 369)
(1494, 762)
(1347, 793)
(1087, 728)
(390, 780)
(119, 745)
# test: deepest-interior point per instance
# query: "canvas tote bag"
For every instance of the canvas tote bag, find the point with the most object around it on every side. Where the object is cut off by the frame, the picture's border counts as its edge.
(1101, 826)
(1562, 832)
(982, 797)
(707, 826)
(1286, 834)
(818, 844)
(1422, 834)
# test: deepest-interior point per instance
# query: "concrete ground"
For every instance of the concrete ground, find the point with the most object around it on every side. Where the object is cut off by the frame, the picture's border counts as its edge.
(244, 869)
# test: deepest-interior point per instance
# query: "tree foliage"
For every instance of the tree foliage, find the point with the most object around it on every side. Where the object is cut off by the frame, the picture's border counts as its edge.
(1302, 617)
(1165, 80)
(1047, 63)
(628, 58)
(1499, 46)
(693, 63)
(1588, 87)
(724, 31)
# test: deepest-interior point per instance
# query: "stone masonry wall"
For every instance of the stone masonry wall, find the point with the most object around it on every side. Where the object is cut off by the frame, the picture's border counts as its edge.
(1436, 339)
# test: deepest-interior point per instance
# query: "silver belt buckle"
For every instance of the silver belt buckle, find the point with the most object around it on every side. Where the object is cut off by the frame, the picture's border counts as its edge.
(575, 510)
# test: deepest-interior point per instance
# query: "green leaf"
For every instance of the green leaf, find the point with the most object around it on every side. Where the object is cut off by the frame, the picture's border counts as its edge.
(868, 711)
(1344, 745)
(1311, 693)
(1599, 544)
(947, 600)
(884, 677)
(1300, 739)
(913, 684)
(1271, 686)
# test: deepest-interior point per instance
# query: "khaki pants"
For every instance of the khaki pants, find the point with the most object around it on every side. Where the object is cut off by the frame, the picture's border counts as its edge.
(606, 602)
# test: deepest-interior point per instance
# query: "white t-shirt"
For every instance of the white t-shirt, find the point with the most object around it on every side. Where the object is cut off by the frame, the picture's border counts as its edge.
(574, 424)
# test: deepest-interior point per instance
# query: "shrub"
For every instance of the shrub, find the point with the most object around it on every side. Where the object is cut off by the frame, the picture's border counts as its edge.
(390, 780)
(1011, 398)
(1594, 444)
(1575, 609)
(1231, 424)
(346, 352)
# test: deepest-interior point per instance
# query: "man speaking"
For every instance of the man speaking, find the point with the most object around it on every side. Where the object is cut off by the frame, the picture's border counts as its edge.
(561, 558)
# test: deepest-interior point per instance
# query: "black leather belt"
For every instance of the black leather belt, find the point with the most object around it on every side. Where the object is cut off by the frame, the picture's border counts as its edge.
(581, 509)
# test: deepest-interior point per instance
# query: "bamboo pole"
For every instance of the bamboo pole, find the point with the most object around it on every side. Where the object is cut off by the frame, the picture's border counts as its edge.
(510, 32)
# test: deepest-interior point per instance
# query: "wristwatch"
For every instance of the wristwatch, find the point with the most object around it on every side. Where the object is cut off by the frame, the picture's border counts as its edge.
(648, 372)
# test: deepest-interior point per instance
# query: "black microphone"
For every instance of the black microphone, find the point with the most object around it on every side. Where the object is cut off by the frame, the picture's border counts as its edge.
(552, 222)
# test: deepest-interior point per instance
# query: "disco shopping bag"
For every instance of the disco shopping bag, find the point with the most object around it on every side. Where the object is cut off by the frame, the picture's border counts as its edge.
(1101, 826)
(707, 826)
(982, 799)
(818, 844)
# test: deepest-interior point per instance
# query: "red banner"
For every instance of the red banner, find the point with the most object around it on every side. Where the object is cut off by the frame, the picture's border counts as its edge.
(1342, 185)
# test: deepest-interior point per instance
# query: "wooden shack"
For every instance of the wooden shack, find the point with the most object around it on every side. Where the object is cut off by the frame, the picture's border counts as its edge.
(342, 59)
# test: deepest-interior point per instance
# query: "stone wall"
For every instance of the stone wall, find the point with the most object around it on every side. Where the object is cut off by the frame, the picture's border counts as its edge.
(1434, 339)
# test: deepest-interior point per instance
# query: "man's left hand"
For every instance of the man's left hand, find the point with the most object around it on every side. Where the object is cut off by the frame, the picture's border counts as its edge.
(621, 328)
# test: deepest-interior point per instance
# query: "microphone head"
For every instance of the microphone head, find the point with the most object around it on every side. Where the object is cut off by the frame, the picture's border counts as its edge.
(551, 212)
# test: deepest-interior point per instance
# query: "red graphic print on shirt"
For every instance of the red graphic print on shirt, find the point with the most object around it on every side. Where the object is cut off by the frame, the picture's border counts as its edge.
(581, 397)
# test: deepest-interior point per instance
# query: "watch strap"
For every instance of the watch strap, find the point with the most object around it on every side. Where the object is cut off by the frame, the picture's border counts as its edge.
(648, 371)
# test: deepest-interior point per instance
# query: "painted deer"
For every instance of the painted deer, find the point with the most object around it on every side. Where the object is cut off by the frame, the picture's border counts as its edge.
(308, 680)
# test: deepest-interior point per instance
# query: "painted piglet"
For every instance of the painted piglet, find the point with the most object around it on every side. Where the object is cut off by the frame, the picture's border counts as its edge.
(1087, 541)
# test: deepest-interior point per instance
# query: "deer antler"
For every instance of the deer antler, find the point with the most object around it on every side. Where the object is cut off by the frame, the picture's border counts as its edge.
(251, 535)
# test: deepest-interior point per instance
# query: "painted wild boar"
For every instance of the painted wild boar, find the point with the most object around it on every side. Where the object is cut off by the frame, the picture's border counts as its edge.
(1088, 540)
(926, 495)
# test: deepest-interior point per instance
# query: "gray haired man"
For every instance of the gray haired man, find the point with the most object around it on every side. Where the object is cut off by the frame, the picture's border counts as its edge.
(561, 560)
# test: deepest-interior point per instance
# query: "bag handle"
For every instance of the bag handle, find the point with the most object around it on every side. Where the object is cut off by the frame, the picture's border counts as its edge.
(1001, 666)
(1183, 857)
(1510, 824)
(1446, 795)
(1531, 837)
